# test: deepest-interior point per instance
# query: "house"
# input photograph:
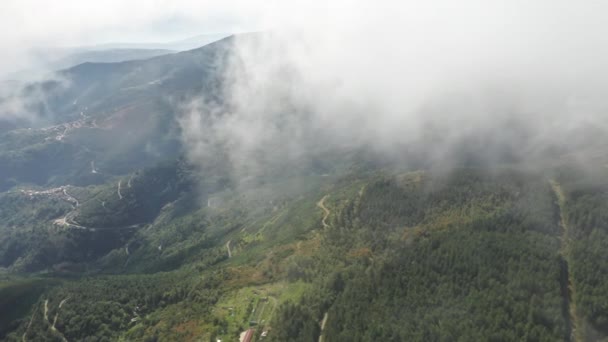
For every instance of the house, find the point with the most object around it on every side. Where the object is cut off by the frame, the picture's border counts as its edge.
(248, 335)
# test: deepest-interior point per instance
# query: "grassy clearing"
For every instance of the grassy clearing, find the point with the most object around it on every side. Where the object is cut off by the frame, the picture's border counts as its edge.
(253, 306)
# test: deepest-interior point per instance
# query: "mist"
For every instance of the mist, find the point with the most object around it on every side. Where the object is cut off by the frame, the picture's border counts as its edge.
(508, 81)
(502, 82)
(28, 104)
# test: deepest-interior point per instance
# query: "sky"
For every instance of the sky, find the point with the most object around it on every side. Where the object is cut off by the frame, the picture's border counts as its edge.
(34, 24)
(29, 25)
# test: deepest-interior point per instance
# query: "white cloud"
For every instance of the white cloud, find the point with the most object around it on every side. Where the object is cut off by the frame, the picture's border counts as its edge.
(516, 75)
(34, 24)
(365, 70)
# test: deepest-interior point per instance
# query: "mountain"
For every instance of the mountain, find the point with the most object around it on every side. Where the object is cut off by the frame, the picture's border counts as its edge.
(47, 60)
(177, 45)
(110, 230)
(116, 115)
(106, 56)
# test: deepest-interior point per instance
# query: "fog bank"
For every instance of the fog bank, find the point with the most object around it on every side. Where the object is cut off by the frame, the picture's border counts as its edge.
(513, 81)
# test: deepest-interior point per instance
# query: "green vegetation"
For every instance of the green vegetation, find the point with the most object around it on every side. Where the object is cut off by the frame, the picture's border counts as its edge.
(107, 233)
(586, 215)
(470, 255)
(137, 198)
(463, 258)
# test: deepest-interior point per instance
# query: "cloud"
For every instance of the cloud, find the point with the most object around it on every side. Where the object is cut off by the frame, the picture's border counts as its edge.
(500, 81)
(29, 28)
(512, 75)
(28, 104)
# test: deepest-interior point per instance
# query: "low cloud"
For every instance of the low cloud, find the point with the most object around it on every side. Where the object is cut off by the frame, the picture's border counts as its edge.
(510, 82)
(28, 103)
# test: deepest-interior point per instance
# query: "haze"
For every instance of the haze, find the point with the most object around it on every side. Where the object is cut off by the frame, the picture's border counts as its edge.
(514, 74)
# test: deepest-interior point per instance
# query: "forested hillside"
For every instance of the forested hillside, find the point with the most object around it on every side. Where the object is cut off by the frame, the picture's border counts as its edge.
(467, 258)
(584, 200)
(475, 254)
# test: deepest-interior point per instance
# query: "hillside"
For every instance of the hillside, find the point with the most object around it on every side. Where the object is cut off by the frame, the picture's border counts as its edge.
(113, 229)
(118, 115)
(469, 255)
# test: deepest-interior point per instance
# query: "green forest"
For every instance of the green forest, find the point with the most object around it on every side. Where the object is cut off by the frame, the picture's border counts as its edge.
(472, 255)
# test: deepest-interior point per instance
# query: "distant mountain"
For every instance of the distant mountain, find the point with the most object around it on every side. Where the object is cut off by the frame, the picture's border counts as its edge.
(47, 60)
(105, 56)
(177, 45)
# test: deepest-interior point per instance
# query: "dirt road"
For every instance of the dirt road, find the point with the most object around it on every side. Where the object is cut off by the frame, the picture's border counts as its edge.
(228, 248)
(46, 311)
(321, 204)
(323, 322)
(118, 191)
(24, 337)
(57, 314)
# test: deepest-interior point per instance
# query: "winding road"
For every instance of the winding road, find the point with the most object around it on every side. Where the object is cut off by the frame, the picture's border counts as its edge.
(323, 322)
(321, 204)
(46, 318)
(24, 337)
(46, 311)
(118, 191)
(68, 220)
(71, 198)
(57, 314)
